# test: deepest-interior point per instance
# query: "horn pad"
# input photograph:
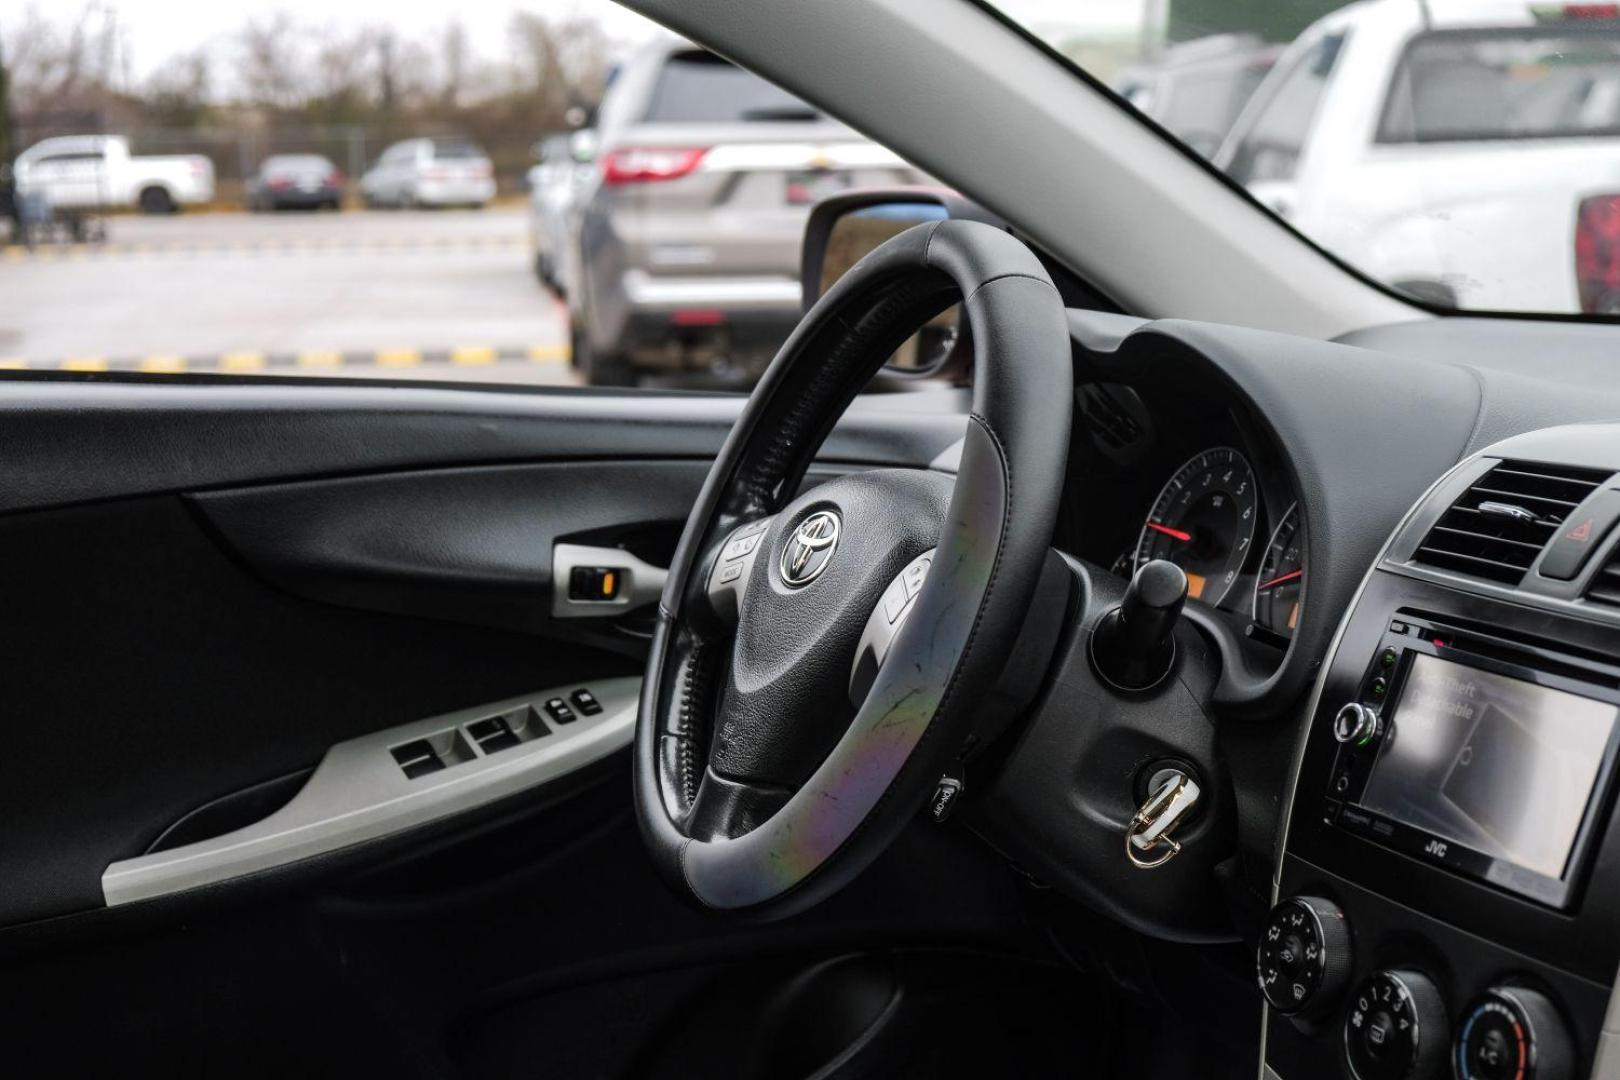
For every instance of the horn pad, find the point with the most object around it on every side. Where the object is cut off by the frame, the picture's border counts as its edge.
(785, 697)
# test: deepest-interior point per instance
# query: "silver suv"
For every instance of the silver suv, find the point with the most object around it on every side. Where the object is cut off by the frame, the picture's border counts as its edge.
(688, 246)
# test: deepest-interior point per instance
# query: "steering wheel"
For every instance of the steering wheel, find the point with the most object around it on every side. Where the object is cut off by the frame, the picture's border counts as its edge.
(821, 660)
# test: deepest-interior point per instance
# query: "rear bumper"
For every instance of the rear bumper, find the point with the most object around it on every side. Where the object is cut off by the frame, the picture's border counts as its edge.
(299, 197)
(745, 338)
(454, 192)
(645, 292)
(678, 322)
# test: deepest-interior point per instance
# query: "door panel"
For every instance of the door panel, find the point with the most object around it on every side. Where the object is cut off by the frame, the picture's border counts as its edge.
(150, 673)
(209, 586)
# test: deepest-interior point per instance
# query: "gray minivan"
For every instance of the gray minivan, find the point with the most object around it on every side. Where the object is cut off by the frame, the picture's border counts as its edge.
(688, 245)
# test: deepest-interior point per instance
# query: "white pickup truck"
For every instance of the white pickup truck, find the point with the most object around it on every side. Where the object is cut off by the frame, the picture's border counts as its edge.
(82, 172)
(1466, 152)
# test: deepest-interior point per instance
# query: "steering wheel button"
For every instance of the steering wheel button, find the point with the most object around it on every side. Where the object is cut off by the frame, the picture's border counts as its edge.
(914, 577)
(894, 602)
(740, 546)
(731, 571)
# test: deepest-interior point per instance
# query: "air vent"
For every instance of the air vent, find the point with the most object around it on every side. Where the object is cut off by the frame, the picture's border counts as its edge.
(1499, 526)
(1115, 417)
(1605, 587)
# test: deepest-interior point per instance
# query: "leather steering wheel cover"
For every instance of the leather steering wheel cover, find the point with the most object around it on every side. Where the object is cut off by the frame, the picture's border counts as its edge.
(952, 648)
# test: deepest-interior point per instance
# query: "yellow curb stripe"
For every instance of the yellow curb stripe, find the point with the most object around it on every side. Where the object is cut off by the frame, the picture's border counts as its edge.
(320, 358)
(472, 354)
(398, 358)
(13, 364)
(241, 361)
(85, 363)
(170, 365)
(545, 354)
(16, 252)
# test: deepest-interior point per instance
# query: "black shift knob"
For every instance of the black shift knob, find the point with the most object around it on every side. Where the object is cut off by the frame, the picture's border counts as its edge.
(1133, 646)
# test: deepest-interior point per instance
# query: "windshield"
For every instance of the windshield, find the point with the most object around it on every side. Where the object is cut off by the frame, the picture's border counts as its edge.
(1463, 153)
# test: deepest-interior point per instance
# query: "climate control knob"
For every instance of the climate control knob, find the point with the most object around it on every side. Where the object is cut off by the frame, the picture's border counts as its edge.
(1396, 1027)
(1304, 955)
(1512, 1033)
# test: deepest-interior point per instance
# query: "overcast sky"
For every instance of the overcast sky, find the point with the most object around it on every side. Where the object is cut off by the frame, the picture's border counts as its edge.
(159, 29)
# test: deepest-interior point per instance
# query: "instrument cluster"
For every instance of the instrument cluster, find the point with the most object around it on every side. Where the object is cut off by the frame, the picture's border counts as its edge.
(1199, 486)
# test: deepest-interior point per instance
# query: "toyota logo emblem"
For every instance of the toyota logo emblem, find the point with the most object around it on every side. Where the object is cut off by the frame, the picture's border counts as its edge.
(809, 549)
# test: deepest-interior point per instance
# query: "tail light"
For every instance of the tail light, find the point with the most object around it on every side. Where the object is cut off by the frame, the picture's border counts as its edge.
(482, 169)
(1594, 12)
(280, 183)
(335, 178)
(634, 165)
(1597, 254)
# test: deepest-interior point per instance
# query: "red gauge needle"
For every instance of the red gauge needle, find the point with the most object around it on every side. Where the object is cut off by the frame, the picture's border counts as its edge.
(1174, 534)
(1281, 579)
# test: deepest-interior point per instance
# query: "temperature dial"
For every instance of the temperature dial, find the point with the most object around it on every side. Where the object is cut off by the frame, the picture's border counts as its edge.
(1396, 1027)
(1304, 955)
(1510, 1033)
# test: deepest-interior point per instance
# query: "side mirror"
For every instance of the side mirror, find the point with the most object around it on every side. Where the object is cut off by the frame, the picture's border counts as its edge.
(844, 228)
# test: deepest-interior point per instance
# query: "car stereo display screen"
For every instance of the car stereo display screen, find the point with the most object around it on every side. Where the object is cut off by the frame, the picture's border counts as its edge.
(1499, 765)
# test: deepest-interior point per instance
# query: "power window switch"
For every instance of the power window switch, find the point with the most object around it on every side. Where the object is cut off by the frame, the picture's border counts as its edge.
(493, 734)
(417, 758)
(558, 710)
(586, 702)
(422, 767)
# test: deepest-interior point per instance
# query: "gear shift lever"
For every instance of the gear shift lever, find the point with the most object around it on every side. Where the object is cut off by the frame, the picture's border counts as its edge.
(1134, 645)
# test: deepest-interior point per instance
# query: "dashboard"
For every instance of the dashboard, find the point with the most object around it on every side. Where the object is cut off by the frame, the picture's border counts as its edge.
(1416, 708)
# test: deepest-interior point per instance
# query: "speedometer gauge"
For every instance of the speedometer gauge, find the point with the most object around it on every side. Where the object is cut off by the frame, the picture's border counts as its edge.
(1203, 521)
(1282, 573)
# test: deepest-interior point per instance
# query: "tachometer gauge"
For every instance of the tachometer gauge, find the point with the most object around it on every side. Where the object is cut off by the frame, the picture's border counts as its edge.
(1203, 521)
(1282, 573)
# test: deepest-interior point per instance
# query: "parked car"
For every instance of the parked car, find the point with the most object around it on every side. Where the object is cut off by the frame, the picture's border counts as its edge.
(306, 181)
(97, 172)
(1195, 90)
(430, 172)
(688, 250)
(1465, 153)
(563, 170)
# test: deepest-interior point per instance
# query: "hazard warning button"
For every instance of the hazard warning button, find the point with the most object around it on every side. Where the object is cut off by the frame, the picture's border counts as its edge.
(1580, 535)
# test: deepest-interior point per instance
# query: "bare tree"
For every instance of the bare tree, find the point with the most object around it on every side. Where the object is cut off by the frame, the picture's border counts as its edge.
(270, 63)
(561, 61)
(456, 57)
(179, 93)
(68, 65)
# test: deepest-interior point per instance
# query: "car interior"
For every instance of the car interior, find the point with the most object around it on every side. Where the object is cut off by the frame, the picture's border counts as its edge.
(1219, 676)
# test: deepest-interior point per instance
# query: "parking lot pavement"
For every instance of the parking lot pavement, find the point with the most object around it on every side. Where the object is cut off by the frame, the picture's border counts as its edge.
(403, 294)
